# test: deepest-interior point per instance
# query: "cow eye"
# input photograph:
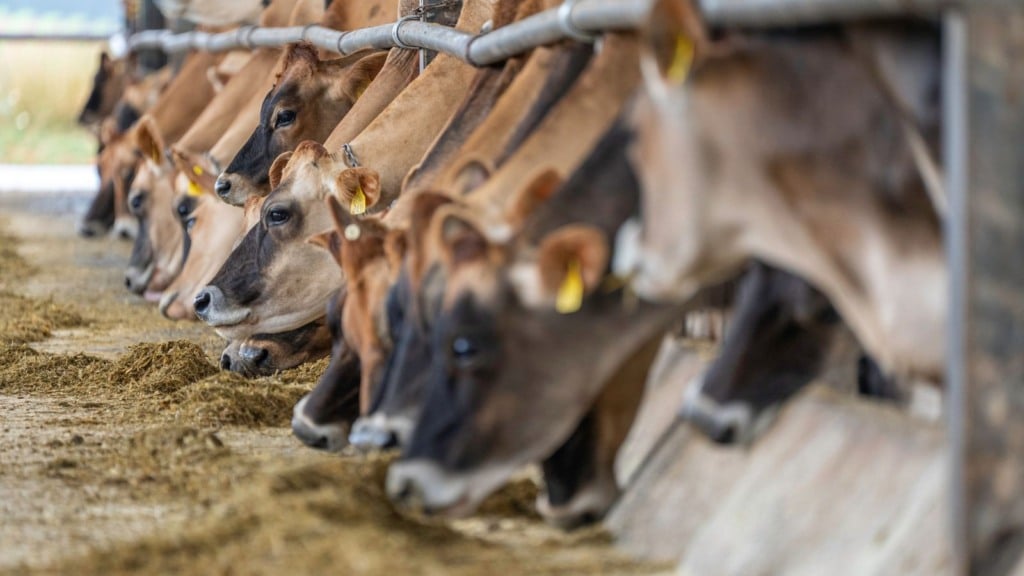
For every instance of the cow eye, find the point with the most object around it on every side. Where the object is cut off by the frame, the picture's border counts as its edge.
(135, 203)
(277, 216)
(464, 350)
(284, 118)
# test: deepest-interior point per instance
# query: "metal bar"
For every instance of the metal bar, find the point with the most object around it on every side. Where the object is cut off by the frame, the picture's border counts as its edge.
(588, 16)
(482, 49)
(986, 237)
(761, 13)
(954, 140)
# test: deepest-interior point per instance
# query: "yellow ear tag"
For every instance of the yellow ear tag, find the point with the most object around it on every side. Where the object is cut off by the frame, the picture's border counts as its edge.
(198, 171)
(570, 293)
(194, 189)
(358, 204)
(682, 60)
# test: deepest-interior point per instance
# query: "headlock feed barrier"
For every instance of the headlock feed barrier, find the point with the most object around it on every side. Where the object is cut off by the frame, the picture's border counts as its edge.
(983, 136)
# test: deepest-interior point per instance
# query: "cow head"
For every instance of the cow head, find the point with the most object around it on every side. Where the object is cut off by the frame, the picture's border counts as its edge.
(779, 335)
(157, 253)
(275, 280)
(524, 344)
(412, 301)
(310, 97)
(211, 229)
(529, 333)
(322, 418)
(107, 84)
(116, 164)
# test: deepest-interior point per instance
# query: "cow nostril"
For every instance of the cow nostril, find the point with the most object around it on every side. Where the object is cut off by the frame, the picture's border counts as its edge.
(201, 301)
(725, 435)
(261, 355)
(225, 362)
(222, 187)
(128, 282)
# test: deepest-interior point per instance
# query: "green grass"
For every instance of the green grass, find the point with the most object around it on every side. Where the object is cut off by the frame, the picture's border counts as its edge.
(43, 86)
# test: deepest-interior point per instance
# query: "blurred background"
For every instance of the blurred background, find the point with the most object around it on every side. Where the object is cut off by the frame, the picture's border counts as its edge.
(49, 51)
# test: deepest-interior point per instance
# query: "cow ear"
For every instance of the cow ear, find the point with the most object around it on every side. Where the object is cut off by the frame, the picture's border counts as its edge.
(358, 189)
(673, 38)
(149, 139)
(276, 173)
(299, 58)
(200, 176)
(571, 263)
(471, 175)
(535, 193)
(461, 240)
(361, 73)
(330, 241)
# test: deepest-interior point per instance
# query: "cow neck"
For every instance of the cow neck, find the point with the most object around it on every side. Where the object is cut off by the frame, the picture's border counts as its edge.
(186, 96)
(544, 79)
(571, 130)
(218, 116)
(488, 86)
(396, 140)
(400, 68)
(488, 90)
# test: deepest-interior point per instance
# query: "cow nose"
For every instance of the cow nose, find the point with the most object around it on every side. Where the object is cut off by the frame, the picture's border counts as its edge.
(329, 437)
(254, 355)
(370, 435)
(202, 302)
(222, 187)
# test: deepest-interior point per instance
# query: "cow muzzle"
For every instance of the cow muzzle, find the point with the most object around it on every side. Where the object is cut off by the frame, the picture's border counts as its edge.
(136, 279)
(733, 422)
(212, 307)
(421, 485)
(379, 432)
(331, 437)
(126, 228)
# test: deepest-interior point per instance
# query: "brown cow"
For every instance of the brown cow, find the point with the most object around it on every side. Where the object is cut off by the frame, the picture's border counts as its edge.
(307, 101)
(466, 445)
(157, 254)
(108, 84)
(807, 132)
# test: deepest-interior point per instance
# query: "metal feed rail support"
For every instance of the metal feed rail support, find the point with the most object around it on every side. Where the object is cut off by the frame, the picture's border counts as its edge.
(984, 159)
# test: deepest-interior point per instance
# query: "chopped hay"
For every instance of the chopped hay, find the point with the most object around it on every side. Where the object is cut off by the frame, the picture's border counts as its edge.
(333, 517)
(14, 267)
(161, 369)
(31, 320)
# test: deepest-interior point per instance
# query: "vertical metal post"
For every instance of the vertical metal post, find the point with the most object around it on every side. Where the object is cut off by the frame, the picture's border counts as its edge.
(984, 149)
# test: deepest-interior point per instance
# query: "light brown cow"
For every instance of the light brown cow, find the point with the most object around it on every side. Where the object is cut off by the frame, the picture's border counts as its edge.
(791, 149)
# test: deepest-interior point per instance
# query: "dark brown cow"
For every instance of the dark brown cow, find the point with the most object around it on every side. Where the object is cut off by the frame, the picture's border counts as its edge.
(483, 378)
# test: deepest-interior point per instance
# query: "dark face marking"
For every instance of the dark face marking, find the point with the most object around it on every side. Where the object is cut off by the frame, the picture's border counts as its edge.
(404, 376)
(243, 278)
(278, 114)
(335, 399)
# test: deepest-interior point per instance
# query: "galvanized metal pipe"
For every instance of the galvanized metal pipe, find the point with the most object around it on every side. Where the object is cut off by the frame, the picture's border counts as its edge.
(589, 16)
(574, 21)
(767, 13)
